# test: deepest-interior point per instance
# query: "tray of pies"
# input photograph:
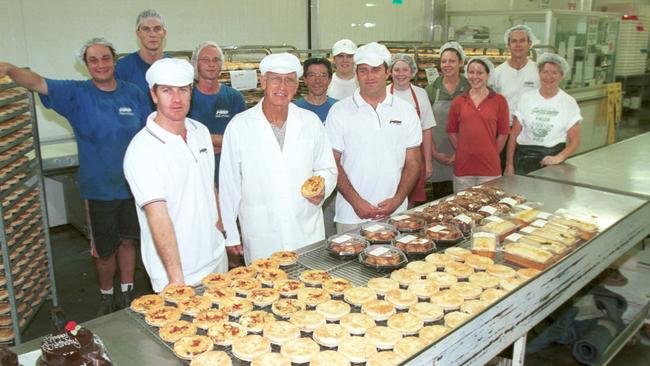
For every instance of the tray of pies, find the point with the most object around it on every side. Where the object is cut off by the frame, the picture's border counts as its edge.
(383, 257)
(414, 245)
(443, 234)
(378, 232)
(345, 246)
(406, 223)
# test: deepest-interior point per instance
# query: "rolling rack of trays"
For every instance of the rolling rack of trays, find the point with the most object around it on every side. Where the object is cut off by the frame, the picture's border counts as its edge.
(27, 273)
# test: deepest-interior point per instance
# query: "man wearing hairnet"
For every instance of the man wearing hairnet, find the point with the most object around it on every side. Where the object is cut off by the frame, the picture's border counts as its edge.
(376, 140)
(213, 103)
(170, 169)
(268, 152)
(104, 114)
(150, 30)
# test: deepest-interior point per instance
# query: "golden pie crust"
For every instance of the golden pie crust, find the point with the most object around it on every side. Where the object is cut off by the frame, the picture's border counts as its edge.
(378, 309)
(432, 333)
(408, 346)
(313, 186)
(402, 299)
(330, 335)
(255, 320)
(285, 257)
(194, 304)
(359, 295)
(288, 287)
(423, 289)
(406, 323)
(484, 280)
(216, 279)
(422, 268)
(225, 333)
(467, 290)
(357, 349)
(209, 317)
(385, 358)
(189, 347)
(427, 311)
(460, 270)
(212, 358)
(405, 276)
(236, 306)
(511, 283)
(527, 273)
(271, 359)
(313, 296)
(381, 285)
(263, 296)
(439, 259)
(442, 279)
(447, 299)
(473, 307)
(383, 337)
(270, 276)
(285, 307)
(336, 286)
(248, 347)
(492, 294)
(146, 302)
(478, 262)
(173, 331)
(314, 277)
(216, 294)
(458, 253)
(162, 315)
(176, 293)
(329, 358)
(264, 264)
(244, 285)
(280, 332)
(333, 310)
(307, 320)
(241, 273)
(300, 350)
(501, 271)
(357, 323)
(455, 318)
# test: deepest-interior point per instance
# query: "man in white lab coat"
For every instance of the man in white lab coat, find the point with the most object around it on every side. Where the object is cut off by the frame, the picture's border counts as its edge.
(268, 152)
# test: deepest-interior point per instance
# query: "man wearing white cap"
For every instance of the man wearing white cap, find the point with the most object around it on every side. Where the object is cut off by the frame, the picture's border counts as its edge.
(376, 140)
(268, 152)
(170, 169)
(104, 114)
(344, 81)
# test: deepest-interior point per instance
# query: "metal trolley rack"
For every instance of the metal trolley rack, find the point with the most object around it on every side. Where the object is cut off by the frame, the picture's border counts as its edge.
(25, 243)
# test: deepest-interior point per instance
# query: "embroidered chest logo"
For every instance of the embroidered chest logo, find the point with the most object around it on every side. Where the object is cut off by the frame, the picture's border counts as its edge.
(125, 111)
(395, 122)
(221, 113)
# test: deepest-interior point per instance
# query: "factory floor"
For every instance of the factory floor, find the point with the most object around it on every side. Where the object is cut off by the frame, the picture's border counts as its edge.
(78, 293)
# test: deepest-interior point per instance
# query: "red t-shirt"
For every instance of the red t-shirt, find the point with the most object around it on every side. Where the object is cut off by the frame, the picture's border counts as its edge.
(477, 130)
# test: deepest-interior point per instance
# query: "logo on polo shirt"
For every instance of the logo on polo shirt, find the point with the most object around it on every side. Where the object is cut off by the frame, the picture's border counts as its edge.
(395, 122)
(125, 111)
(221, 113)
(203, 150)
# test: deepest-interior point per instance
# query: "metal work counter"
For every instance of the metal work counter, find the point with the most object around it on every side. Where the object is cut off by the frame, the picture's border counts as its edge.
(623, 223)
(623, 167)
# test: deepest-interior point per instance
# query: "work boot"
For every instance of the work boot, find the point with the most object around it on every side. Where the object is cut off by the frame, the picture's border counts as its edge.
(126, 298)
(106, 304)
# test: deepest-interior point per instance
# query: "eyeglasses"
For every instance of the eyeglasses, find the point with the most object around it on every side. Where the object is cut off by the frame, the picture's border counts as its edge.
(322, 75)
(206, 60)
(277, 80)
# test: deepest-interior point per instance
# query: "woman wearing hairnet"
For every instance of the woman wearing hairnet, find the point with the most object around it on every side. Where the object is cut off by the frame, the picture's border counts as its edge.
(477, 128)
(546, 124)
(403, 69)
(441, 92)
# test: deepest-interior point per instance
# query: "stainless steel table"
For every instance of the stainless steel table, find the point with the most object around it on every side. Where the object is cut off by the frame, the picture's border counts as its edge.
(623, 167)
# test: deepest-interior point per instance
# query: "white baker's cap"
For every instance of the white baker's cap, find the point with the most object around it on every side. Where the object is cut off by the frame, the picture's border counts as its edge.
(281, 63)
(373, 54)
(170, 71)
(344, 46)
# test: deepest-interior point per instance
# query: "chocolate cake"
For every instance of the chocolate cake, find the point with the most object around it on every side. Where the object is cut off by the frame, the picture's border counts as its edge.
(73, 346)
(7, 357)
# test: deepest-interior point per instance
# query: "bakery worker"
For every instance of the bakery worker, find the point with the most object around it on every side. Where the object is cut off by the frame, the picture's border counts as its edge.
(104, 114)
(170, 168)
(268, 152)
(213, 103)
(151, 32)
(344, 81)
(317, 77)
(376, 140)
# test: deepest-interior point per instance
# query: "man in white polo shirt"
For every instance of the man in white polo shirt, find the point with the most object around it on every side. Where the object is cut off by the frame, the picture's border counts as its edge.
(170, 168)
(376, 140)
(344, 81)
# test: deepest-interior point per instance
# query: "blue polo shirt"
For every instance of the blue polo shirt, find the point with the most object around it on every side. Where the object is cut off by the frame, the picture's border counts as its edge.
(132, 68)
(215, 111)
(320, 110)
(104, 124)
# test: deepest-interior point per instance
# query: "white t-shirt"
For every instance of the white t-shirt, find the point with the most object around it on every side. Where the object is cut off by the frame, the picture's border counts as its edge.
(512, 83)
(427, 119)
(160, 166)
(373, 146)
(340, 88)
(545, 122)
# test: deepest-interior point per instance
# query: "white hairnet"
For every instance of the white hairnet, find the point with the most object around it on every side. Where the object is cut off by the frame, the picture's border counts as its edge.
(521, 28)
(406, 58)
(81, 54)
(197, 51)
(554, 59)
(483, 60)
(453, 45)
(146, 14)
